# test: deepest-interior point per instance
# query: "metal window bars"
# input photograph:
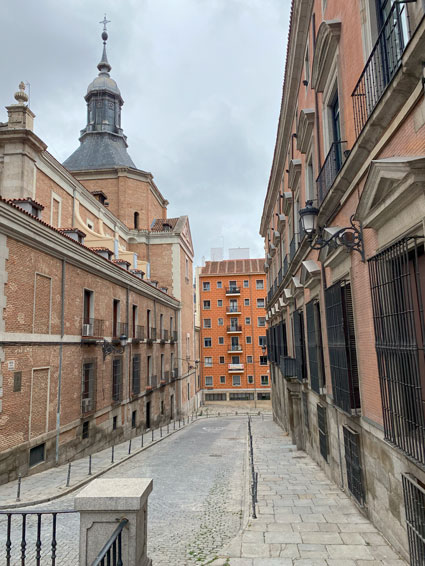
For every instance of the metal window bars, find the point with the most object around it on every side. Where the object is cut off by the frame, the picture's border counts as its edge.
(299, 344)
(322, 425)
(116, 379)
(135, 375)
(92, 328)
(330, 169)
(414, 503)
(353, 464)
(88, 389)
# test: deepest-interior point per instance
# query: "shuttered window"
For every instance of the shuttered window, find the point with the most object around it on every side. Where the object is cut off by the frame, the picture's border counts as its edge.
(314, 341)
(299, 344)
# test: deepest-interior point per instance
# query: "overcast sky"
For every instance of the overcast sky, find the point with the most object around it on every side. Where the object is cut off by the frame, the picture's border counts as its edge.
(201, 82)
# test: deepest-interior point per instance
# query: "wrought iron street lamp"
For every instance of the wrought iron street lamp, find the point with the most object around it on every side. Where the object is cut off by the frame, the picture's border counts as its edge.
(108, 348)
(350, 237)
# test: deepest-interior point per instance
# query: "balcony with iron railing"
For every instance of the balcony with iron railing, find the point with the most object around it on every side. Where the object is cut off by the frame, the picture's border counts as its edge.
(119, 329)
(233, 290)
(381, 66)
(139, 333)
(153, 381)
(330, 169)
(173, 336)
(166, 377)
(88, 404)
(151, 335)
(293, 246)
(234, 348)
(234, 328)
(288, 366)
(92, 328)
(174, 373)
(235, 368)
(164, 336)
(233, 309)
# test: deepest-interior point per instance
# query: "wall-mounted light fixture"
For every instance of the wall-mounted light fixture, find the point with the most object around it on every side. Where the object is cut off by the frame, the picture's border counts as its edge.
(350, 237)
(108, 348)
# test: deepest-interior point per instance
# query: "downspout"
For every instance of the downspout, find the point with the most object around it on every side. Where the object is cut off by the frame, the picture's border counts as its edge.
(179, 359)
(58, 409)
(127, 299)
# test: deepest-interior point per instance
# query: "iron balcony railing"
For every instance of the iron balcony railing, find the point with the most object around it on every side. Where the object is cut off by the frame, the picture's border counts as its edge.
(164, 336)
(139, 333)
(329, 170)
(119, 329)
(111, 553)
(235, 348)
(234, 328)
(166, 377)
(92, 327)
(285, 265)
(293, 246)
(380, 68)
(233, 308)
(88, 404)
(173, 336)
(35, 533)
(151, 333)
(153, 381)
(233, 290)
(288, 366)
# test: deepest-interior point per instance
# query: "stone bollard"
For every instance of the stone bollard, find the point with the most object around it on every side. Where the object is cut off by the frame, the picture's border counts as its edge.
(102, 504)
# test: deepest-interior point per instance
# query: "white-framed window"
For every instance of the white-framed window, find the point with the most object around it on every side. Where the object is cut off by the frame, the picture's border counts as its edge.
(246, 302)
(236, 380)
(207, 323)
(263, 360)
(262, 341)
(260, 303)
(206, 305)
(205, 285)
(247, 320)
(259, 284)
(208, 381)
(221, 340)
(221, 360)
(220, 302)
(220, 322)
(207, 342)
(261, 321)
(246, 283)
(250, 379)
(222, 379)
(249, 359)
(264, 380)
(219, 285)
(248, 339)
(208, 361)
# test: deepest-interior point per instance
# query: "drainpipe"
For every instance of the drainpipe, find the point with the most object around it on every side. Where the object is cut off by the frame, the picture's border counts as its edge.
(60, 361)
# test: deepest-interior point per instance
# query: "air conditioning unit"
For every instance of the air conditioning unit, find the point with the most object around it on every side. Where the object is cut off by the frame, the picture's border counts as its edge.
(86, 404)
(87, 330)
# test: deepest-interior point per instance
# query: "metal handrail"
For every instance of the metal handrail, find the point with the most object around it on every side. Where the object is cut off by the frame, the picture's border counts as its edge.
(114, 545)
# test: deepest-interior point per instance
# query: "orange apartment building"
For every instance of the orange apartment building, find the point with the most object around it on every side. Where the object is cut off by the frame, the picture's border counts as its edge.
(234, 365)
(96, 321)
(343, 226)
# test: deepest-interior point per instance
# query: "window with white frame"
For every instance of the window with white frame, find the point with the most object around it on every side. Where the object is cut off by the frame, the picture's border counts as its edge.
(246, 283)
(221, 360)
(207, 342)
(222, 379)
(208, 381)
(247, 320)
(263, 360)
(249, 359)
(259, 284)
(207, 323)
(246, 302)
(248, 339)
(220, 322)
(220, 302)
(221, 340)
(264, 380)
(207, 305)
(260, 303)
(262, 341)
(250, 379)
(205, 285)
(261, 321)
(56, 210)
(208, 361)
(219, 285)
(236, 380)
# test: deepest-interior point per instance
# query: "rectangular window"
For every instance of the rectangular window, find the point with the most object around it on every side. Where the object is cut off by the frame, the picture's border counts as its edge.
(248, 339)
(241, 396)
(114, 423)
(236, 360)
(264, 380)
(88, 308)
(88, 397)
(414, 504)
(222, 379)
(207, 323)
(323, 431)
(207, 342)
(299, 345)
(17, 381)
(353, 463)
(259, 284)
(115, 318)
(249, 359)
(208, 362)
(342, 346)
(250, 379)
(85, 430)
(134, 320)
(264, 396)
(135, 375)
(260, 303)
(221, 360)
(37, 455)
(262, 341)
(263, 360)
(116, 379)
(220, 322)
(219, 302)
(261, 320)
(246, 302)
(133, 419)
(207, 305)
(221, 340)
(247, 320)
(315, 347)
(246, 283)
(205, 285)
(215, 396)
(208, 381)
(236, 380)
(398, 295)
(219, 285)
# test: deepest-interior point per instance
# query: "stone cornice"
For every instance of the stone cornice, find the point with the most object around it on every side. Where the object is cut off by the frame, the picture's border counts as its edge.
(24, 228)
(24, 136)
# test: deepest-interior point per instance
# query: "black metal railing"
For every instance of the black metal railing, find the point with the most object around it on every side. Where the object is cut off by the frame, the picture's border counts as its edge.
(139, 333)
(111, 553)
(234, 328)
(119, 329)
(329, 171)
(414, 504)
(233, 290)
(173, 336)
(288, 366)
(164, 336)
(383, 63)
(233, 308)
(92, 327)
(293, 246)
(285, 265)
(235, 348)
(32, 536)
(151, 334)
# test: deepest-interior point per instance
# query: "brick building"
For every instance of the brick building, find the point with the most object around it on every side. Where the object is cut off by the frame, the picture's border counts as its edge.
(96, 325)
(344, 303)
(231, 305)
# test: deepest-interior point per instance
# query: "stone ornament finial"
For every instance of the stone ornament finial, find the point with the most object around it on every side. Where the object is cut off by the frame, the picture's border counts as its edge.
(21, 96)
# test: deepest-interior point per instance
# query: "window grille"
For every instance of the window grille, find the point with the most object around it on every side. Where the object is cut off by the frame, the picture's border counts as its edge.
(288, 366)
(315, 349)
(414, 502)
(323, 431)
(215, 396)
(342, 346)
(397, 299)
(88, 386)
(305, 410)
(241, 396)
(135, 378)
(116, 379)
(353, 463)
(299, 343)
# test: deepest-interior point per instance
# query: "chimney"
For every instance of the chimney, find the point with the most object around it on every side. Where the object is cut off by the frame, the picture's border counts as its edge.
(74, 233)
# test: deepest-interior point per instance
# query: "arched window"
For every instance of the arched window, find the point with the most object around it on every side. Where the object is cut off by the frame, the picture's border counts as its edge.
(136, 220)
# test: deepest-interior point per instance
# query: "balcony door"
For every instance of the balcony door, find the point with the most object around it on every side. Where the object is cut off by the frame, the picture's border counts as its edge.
(393, 31)
(336, 130)
(235, 343)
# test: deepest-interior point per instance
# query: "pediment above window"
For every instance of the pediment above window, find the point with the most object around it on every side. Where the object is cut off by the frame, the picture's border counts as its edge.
(287, 202)
(310, 273)
(391, 186)
(294, 173)
(281, 221)
(326, 46)
(305, 129)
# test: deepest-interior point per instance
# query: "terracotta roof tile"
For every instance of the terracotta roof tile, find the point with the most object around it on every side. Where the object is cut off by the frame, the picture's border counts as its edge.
(230, 266)
(158, 224)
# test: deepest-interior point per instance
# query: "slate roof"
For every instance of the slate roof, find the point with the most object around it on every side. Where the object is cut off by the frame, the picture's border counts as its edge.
(99, 150)
(233, 266)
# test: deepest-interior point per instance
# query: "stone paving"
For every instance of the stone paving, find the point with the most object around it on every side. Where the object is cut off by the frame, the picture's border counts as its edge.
(304, 519)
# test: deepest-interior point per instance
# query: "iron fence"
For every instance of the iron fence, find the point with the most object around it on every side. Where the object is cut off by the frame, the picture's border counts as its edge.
(232, 290)
(139, 332)
(414, 503)
(288, 366)
(111, 553)
(353, 464)
(234, 328)
(329, 171)
(381, 66)
(119, 329)
(92, 328)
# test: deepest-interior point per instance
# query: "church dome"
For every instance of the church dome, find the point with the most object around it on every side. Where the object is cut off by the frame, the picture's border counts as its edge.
(104, 82)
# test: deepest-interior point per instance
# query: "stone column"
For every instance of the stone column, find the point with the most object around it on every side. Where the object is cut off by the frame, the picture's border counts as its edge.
(102, 504)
